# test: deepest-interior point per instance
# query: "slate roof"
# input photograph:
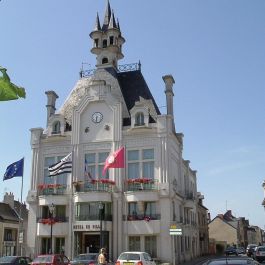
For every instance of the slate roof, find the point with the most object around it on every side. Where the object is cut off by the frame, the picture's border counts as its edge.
(7, 213)
(133, 86)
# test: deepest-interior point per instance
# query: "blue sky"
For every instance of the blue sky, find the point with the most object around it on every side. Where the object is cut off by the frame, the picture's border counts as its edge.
(214, 49)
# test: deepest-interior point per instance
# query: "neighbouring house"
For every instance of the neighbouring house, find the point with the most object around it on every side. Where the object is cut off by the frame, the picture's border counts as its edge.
(13, 226)
(229, 229)
(255, 235)
(203, 220)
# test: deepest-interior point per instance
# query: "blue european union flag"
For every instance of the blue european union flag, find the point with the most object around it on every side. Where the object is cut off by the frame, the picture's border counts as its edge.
(14, 170)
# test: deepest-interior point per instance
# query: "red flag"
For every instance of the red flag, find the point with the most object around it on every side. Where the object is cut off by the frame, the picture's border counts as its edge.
(115, 160)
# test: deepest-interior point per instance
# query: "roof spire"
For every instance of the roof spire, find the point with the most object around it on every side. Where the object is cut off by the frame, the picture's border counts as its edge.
(118, 25)
(112, 22)
(107, 16)
(97, 24)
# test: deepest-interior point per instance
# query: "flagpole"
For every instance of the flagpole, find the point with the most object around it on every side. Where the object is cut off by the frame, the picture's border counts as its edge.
(20, 238)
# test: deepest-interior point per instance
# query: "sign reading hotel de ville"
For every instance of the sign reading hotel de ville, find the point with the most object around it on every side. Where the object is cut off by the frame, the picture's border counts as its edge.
(86, 226)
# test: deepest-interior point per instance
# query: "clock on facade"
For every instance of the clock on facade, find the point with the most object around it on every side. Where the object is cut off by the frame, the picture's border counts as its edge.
(97, 117)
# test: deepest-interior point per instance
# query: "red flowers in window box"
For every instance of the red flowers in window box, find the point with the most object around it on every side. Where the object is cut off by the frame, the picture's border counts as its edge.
(49, 186)
(139, 180)
(103, 181)
(48, 221)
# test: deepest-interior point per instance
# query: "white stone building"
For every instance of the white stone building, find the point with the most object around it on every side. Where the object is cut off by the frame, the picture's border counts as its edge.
(109, 108)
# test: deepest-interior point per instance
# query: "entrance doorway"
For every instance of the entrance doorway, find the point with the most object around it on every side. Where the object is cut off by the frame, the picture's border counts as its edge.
(91, 243)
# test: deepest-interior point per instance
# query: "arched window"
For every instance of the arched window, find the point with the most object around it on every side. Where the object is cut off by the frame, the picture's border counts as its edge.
(105, 60)
(56, 127)
(139, 119)
(105, 43)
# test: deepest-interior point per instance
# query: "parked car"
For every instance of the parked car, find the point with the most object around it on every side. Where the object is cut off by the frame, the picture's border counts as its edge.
(231, 251)
(259, 254)
(250, 249)
(15, 260)
(85, 259)
(233, 260)
(241, 250)
(134, 258)
(51, 259)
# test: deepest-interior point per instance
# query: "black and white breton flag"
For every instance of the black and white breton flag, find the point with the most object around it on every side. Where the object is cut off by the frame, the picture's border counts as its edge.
(63, 166)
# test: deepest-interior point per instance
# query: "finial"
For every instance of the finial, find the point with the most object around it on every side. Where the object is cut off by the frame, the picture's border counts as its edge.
(112, 22)
(107, 16)
(97, 24)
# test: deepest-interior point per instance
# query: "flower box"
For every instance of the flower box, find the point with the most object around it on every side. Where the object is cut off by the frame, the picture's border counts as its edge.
(139, 180)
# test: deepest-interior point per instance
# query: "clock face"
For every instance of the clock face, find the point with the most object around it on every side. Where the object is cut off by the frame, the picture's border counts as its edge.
(97, 117)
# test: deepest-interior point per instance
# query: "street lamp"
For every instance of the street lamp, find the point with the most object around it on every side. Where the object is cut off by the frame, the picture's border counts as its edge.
(101, 207)
(51, 210)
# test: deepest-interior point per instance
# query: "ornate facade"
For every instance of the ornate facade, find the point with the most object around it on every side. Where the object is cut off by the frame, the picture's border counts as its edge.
(108, 108)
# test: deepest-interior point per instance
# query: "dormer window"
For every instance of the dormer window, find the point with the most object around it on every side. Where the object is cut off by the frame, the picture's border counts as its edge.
(139, 119)
(56, 127)
(105, 60)
(105, 43)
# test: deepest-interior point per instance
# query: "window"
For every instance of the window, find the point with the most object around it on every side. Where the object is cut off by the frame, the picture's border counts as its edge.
(60, 179)
(94, 164)
(111, 40)
(96, 43)
(148, 209)
(139, 119)
(105, 60)
(141, 163)
(59, 245)
(134, 243)
(8, 235)
(90, 211)
(56, 127)
(105, 43)
(45, 244)
(150, 245)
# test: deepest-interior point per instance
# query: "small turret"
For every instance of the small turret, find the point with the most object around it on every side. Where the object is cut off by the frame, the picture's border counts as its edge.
(108, 40)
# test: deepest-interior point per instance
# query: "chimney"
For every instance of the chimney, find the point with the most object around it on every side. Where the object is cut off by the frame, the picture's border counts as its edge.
(9, 199)
(169, 81)
(51, 99)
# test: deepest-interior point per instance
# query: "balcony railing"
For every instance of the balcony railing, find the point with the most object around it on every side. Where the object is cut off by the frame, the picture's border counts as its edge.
(95, 217)
(141, 217)
(55, 219)
(141, 184)
(102, 185)
(52, 189)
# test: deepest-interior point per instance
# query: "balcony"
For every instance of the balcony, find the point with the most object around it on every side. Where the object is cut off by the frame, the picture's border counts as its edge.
(59, 226)
(101, 185)
(142, 184)
(52, 189)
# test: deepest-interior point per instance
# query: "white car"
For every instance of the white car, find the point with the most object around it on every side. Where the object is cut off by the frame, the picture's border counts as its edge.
(135, 258)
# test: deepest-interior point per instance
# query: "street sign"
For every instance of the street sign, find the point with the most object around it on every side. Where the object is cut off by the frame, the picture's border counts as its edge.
(175, 233)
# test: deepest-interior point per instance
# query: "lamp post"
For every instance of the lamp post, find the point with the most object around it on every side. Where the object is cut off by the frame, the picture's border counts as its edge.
(51, 210)
(101, 207)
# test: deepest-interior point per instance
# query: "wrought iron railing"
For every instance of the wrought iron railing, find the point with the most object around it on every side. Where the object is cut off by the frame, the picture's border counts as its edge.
(142, 217)
(93, 217)
(56, 219)
(88, 186)
(121, 68)
(141, 184)
(52, 189)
